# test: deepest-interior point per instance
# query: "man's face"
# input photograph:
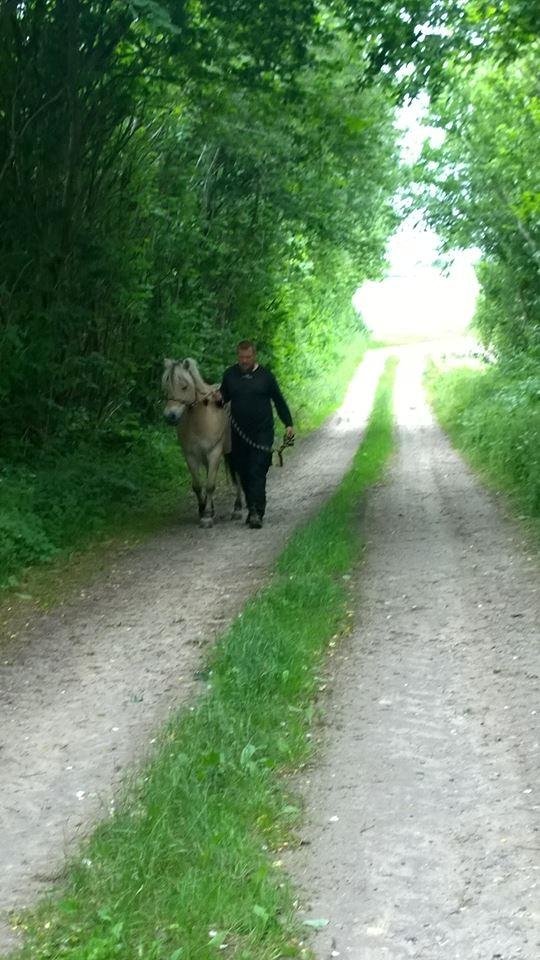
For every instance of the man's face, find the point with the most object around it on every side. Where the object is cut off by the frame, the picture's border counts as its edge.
(246, 360)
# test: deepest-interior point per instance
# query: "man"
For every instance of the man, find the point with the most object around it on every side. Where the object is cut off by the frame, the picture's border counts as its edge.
(251, 389)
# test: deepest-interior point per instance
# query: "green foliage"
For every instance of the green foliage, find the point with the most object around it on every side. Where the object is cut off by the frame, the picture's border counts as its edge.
(187, 864)
(482, 190)
(64, 499)
(169, 175)
(417, 44)
(493, 416)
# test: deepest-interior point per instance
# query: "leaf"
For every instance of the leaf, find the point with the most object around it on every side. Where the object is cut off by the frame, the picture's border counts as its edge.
(69, 906)
(261, 912)
(212, 759)
(317, 924)
(355, 124)
(156, 14)
(247, 754)
(290, 809)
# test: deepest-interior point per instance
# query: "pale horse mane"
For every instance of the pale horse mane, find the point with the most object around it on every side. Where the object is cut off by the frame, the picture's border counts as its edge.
(178, 371)
(191, 366)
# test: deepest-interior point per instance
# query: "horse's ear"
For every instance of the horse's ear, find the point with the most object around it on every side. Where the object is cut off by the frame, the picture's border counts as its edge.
(168, 363)
(186, 364)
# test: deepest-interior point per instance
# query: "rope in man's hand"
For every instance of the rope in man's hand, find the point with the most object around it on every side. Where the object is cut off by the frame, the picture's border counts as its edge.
(288, 441)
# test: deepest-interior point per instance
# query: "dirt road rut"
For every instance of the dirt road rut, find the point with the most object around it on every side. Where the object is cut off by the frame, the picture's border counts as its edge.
(423, 837)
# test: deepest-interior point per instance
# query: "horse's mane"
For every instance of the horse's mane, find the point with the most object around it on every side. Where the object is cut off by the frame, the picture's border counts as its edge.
(167, 379)
(188, 367)
(191, 366)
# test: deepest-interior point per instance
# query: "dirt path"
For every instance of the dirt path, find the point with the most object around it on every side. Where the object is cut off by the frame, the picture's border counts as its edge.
(423, 837)
(82, 690)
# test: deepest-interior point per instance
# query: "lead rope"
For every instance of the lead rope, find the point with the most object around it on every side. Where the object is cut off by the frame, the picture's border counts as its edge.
(286, 442)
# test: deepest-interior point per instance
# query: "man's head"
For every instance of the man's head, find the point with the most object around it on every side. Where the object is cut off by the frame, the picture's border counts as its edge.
(246, 353)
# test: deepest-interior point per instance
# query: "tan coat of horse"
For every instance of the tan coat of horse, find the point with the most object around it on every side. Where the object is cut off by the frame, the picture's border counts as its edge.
(203, 429)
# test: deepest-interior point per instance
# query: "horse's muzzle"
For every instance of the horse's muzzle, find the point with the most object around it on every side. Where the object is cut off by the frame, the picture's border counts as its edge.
(173, 417)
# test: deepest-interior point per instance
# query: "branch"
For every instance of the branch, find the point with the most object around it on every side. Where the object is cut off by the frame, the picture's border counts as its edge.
(17, 136)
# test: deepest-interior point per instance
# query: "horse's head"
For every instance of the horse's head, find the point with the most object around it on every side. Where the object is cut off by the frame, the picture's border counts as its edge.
(179, 388)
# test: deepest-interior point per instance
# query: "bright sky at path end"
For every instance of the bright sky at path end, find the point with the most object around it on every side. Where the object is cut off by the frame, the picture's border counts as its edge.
(417, 299)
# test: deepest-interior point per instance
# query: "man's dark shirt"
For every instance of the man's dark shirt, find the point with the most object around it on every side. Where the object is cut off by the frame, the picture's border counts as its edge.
(251, 395)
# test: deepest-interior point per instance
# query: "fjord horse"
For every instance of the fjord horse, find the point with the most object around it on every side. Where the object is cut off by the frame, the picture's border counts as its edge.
(204, 432)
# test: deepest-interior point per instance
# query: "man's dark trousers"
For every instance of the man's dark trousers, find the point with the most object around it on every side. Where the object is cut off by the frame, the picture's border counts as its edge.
(252, 465)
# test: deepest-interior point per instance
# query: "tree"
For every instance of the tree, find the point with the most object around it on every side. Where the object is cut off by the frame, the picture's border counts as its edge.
(483, 191)
(165, 181)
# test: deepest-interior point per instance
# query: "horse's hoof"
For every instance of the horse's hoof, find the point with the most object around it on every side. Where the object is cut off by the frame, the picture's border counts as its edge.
(206, 522)
(236, 515)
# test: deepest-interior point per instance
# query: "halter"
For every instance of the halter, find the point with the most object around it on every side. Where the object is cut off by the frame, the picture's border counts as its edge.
(194, 403)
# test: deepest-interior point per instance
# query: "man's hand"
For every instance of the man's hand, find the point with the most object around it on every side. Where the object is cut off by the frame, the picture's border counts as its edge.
(289, 433)
(217, 396)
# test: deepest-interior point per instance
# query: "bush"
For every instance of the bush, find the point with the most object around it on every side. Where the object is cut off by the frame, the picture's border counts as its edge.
(64, 499)
(493, 415)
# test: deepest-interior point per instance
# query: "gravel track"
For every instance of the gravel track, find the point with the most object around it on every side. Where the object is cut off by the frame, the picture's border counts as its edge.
(82, 688)
(423, 812)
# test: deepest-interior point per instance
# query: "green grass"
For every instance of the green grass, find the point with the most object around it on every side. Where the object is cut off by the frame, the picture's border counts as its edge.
(190, 860)
(493, 416)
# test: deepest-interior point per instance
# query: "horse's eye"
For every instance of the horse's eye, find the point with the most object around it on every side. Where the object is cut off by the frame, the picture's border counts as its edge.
(184, 388)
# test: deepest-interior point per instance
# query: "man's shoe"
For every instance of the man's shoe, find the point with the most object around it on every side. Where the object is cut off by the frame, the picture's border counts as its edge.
(255, 521)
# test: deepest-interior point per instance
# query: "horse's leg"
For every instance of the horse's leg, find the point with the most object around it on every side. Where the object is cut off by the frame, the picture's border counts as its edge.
(207, 517)
(234, 478)
(196, 485)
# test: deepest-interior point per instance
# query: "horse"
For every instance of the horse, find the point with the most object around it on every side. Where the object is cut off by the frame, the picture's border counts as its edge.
(204, 432)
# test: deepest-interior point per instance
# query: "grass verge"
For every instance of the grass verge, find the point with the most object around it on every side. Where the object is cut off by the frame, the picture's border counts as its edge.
(61, 500)
(492, 414)
(188, 867)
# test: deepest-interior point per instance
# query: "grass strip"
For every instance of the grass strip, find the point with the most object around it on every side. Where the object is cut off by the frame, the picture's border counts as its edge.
(188, 867)
(492, 414)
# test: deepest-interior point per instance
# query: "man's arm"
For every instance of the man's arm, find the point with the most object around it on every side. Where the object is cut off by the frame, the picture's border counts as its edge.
(280, 403)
